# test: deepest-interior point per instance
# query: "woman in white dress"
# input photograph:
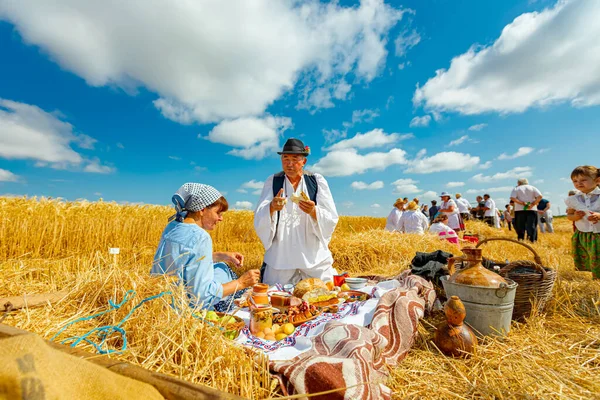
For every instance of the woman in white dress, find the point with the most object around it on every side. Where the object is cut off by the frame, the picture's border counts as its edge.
(413, 220)
(449, 208)
(443, 231)
(393, 219)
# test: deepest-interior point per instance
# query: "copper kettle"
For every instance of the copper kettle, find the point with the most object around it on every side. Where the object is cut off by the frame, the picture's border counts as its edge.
(475, 274)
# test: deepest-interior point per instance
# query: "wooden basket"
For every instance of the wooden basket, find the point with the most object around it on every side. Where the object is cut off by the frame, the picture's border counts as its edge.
(535, 281)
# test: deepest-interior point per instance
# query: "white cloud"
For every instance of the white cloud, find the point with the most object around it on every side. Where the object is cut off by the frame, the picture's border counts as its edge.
(358, 185)
(257, 137)
(120, 145)
(538, 181)
(406, 186)
(97, 194)
(461, 140)
(375, 205)
(253, 184)
(515, 173)
(175, 158)
(455, 184)
(221, 59)
(477, 127)
(389, 102)
(420, 121)
(29, 133)
(405, 41)
(359, 116)
(429, 195)
(348, 204)
(523, 151)
(349, 162)
(241, 191)
(242, 205)
(371, 139)
(7, 176)
(333, 135)
(257, 192)
(541, 151)
(505, 189)
(540, 58)
(444, 161)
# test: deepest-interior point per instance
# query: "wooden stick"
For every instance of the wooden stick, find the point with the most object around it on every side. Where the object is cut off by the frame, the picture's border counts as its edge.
(30, 300)
(169, 387)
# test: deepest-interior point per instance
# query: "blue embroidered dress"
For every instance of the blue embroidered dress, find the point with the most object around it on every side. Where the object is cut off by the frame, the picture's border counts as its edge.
(186, 250)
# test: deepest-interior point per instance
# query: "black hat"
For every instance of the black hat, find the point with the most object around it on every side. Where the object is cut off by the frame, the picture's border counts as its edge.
(294, 146)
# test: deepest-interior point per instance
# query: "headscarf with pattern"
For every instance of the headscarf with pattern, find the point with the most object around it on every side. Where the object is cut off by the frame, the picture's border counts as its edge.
(193, 197)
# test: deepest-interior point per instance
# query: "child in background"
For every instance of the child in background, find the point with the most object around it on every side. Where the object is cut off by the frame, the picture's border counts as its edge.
(584, 210)
(440, 228)
(508, 217)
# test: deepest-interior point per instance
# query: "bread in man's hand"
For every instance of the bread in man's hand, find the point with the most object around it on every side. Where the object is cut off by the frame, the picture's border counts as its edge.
(301, 197)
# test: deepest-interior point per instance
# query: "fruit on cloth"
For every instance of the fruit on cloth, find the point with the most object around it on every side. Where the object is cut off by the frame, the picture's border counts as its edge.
(260, 335)
(270, 337)
(329, 285)
(276, 329)
(288, 328)
(268, 331)
(280, 336)
(306, 285)
(211, 316)
(345, 287)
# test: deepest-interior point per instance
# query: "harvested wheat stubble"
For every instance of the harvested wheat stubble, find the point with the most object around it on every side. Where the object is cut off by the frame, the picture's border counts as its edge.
(556, 355)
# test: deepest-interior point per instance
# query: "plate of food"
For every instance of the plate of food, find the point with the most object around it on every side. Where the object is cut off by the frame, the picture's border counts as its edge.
(297, 314)
(354, 295)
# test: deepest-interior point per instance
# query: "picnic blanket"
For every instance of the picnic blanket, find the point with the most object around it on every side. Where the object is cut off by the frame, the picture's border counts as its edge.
(353, 358)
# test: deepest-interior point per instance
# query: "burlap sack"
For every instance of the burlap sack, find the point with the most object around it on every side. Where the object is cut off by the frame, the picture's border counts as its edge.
(32, 370)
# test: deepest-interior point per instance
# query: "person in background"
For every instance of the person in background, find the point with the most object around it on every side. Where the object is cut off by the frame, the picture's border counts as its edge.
(464, 207)
(433, 210)
(508, 217)
(526, 197)
(572, 193)
(413, 220)
(583, 208)
(500, 217)
(393, 218)
(450, 208)
(425, 210)
(478, 211)
(442, 230)
(295, 234)
(185, 250)
(405, 202)
(545, 216)
(490, 215)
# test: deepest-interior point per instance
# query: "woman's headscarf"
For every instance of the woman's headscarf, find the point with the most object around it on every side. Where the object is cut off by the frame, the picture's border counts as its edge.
(193, 197)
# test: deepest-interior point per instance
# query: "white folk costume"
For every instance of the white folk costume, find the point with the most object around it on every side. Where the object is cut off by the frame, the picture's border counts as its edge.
(454, 219)
(297, 246)
(393, 219)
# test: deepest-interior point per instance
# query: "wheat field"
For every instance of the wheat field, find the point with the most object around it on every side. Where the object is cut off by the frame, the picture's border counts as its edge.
(48, 245)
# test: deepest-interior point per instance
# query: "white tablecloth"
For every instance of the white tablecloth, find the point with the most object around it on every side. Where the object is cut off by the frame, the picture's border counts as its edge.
(359, 313)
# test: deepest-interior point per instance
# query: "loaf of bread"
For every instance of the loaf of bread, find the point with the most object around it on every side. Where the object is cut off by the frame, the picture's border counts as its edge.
(306, 285)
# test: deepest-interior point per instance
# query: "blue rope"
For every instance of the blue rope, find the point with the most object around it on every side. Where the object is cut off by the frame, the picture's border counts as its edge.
(105, 332)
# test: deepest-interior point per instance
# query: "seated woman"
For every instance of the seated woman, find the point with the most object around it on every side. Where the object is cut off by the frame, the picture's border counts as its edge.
(413, 220)
(441, 228)
(186, 250)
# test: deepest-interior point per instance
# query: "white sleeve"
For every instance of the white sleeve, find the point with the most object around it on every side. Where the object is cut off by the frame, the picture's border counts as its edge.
(327, 216)
(425, 222)
(537, 192)
(264, 223)
(513, 194)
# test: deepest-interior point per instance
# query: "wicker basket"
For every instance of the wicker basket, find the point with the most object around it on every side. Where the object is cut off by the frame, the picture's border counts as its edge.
(535, 282)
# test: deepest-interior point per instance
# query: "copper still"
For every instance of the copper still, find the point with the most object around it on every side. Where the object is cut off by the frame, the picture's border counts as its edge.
(474, 274)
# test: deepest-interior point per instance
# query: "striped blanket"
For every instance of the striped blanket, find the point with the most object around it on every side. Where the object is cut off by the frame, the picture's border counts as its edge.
(353, 358)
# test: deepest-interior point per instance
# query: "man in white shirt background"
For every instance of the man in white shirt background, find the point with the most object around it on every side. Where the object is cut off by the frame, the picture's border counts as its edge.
(526, 198)
(295, 231)
(490, 215)
(464, 207)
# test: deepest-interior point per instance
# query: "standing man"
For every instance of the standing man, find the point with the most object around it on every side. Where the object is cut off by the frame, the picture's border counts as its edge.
(433, 210)
(490, 214)
(545, 216)
(464, 207)
(526, 198)
(294, 220)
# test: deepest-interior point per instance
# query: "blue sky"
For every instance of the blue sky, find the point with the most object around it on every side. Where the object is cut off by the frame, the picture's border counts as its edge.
(128, 102)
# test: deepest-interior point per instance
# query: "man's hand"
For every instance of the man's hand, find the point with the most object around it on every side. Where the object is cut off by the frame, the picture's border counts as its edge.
(594, 217)
(278, 202)
(249, 278)
(308, 206)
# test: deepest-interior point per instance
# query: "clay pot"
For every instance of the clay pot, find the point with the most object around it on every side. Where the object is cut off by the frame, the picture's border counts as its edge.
(452, 337)
(475, 274)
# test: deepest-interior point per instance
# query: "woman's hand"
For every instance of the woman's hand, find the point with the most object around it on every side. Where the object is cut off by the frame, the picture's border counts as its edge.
(578, 215)
(229, 257)
(594, 217)
(249, 278)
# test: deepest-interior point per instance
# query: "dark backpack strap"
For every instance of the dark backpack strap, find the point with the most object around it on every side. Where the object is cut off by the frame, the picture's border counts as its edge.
(311, 184)
(278, 180)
